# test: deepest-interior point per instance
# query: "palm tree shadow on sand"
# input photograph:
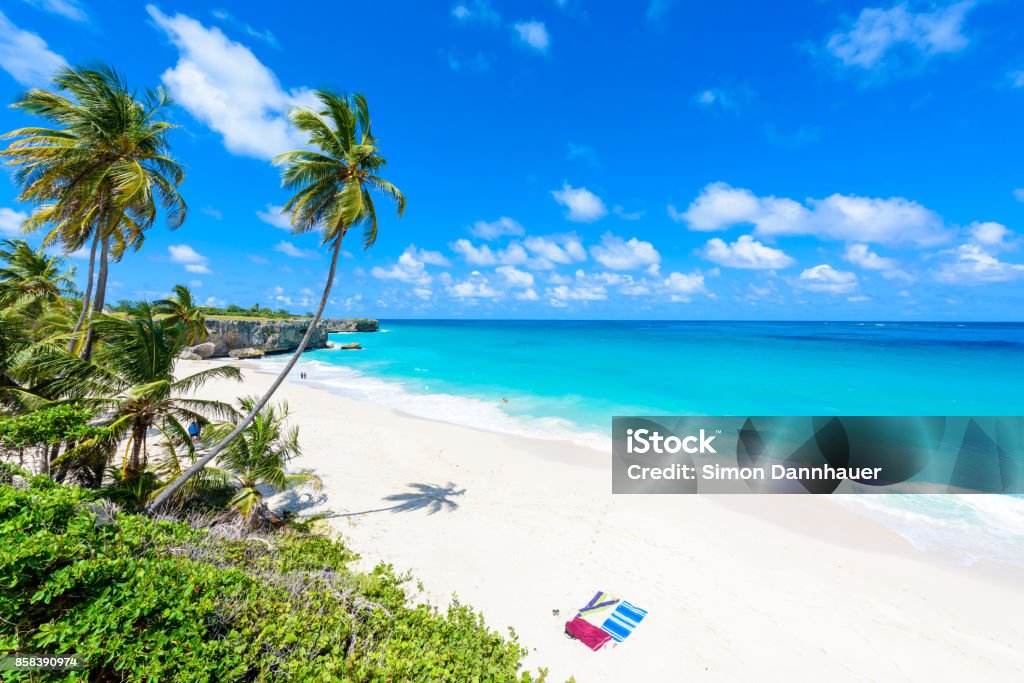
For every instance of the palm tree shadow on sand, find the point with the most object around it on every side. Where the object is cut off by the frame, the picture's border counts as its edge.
(427, 497)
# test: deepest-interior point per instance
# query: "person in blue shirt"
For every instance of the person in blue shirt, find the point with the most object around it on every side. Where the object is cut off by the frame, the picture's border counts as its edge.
(193, 431)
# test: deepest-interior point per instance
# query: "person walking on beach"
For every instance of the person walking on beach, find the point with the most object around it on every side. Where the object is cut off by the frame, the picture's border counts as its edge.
(193, 431)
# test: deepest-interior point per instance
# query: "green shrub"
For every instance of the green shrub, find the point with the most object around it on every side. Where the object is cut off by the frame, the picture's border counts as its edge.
(47, 427)
(142, 600)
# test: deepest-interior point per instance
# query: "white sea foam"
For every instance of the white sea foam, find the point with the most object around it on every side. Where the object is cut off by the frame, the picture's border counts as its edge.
(962, 529)
(443, 407)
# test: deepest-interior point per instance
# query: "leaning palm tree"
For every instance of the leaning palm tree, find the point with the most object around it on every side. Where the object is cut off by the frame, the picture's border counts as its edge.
(334, 184)
(106, 166)
(255, 462)
(131, 382)
(182, 310)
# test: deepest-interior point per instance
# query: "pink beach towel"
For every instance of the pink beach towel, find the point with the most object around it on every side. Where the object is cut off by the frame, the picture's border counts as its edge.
(592, 636)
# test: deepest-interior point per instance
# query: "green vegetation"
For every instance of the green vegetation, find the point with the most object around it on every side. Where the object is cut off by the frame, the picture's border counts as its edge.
(232, 311)
(96, 426)
(255, 462)
(142, 600)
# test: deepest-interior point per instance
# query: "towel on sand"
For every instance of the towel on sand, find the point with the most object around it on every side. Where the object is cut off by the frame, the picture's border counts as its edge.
(623, 619)
(603, 619)
(592, 636)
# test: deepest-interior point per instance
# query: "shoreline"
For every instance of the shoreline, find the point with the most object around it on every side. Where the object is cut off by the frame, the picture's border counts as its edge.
(518, 527)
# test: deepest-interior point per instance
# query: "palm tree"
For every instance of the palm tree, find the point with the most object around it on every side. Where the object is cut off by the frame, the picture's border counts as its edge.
(255, 461)
(182, 310)
(334, 184)
(130, 381)
(30, 276)
(101, 176)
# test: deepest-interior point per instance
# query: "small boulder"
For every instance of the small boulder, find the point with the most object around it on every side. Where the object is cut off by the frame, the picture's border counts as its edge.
(247, 352)
(204, 350)
(351, 347)
(189, 355)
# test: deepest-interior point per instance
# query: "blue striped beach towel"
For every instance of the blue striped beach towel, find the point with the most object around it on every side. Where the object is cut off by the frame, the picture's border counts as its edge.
(623, 620)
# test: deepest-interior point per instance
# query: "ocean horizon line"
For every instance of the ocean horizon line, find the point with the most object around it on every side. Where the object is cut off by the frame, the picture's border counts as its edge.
(707, 320)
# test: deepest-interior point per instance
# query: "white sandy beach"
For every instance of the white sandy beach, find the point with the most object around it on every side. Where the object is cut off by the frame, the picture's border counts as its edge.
(737, 587)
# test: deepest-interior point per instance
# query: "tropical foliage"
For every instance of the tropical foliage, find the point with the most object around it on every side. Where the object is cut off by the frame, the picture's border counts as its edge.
(182, 310)
(141, 600)
(255, 462)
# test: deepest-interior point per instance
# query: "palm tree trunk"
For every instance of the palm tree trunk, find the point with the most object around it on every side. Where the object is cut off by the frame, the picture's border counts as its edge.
(200, 463)
(135, 465)
(101, 292)
(87, 298)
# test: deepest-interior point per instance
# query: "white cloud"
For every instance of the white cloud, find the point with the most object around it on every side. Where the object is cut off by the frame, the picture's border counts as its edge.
(533, 33)
(11, 220)
(988, 233)
(193, 261)
(840, 217)
(527, 295)
(861, 255)
(682, 286)
(504, 226)
(473, 289)
(1018, 194)
(515, 277)
(826, 279)
(289, 249)
(431, 258)
(259, 260)
(583, 205)
(69, 9)
(880, 35)
(272, 215)
(619, 254)
(513, 255)
(971, 264)
(409, 269)
(560, 295)
(746, 252)
(561, 249)
(222, 84)
(535, 253)
(558, 279)
(1017, 81)
(195, 284)
(25, 56)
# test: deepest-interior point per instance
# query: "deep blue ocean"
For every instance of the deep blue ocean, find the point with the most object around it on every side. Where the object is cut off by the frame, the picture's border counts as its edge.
(566, 379)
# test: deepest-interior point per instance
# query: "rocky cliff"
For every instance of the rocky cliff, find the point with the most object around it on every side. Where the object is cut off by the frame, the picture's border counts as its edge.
(269, 336)
(240, 337)
(351, 324)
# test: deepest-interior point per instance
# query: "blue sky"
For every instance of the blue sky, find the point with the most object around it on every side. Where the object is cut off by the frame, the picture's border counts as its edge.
(580, 159)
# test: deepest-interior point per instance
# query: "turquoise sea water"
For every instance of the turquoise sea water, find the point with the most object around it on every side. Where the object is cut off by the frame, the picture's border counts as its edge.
(566, 379)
